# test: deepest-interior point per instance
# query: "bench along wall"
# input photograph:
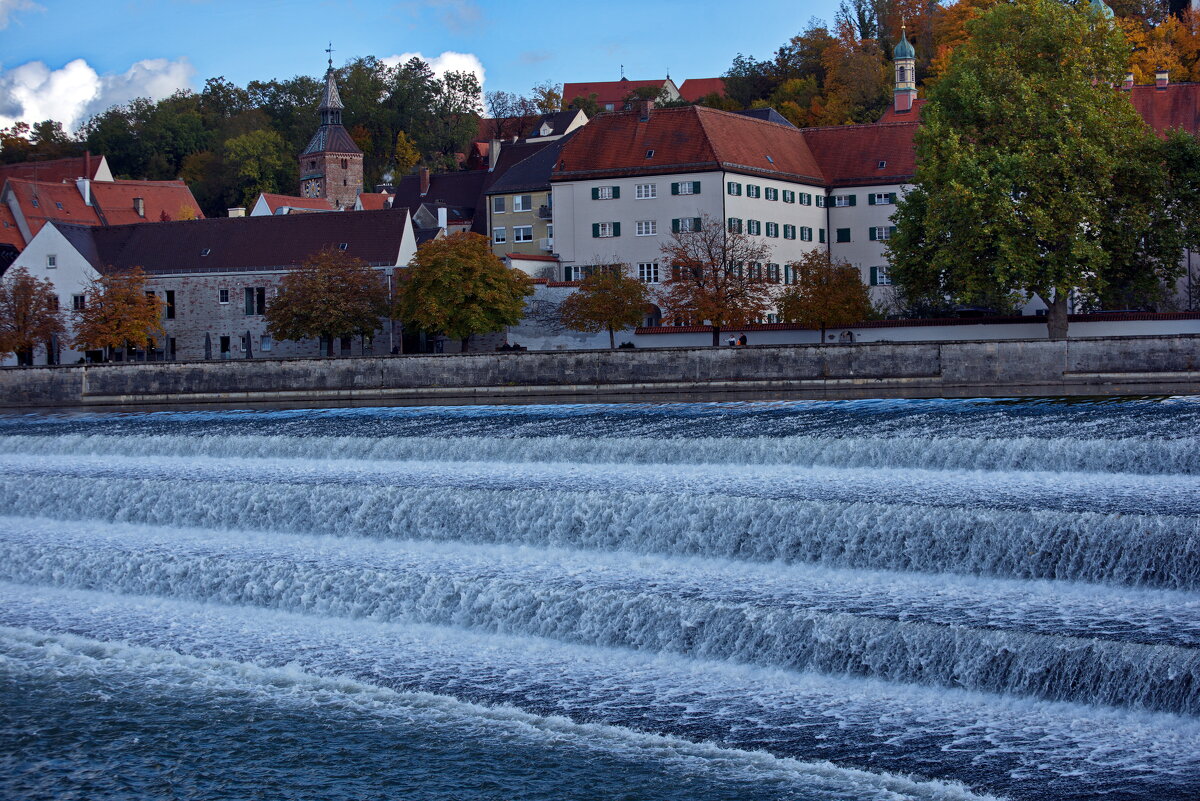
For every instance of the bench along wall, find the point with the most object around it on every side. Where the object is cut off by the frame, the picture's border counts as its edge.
(1130, 365)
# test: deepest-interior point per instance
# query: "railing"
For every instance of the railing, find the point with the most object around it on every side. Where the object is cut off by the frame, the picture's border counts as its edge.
(546, 244)
(545, 213)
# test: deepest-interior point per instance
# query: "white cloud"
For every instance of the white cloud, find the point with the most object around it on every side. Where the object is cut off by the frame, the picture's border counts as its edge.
(10, 7)
(33, 92)
(448, 61)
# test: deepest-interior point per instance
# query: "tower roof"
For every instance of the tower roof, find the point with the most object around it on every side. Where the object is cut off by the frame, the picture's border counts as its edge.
(331, 99)
(904, 48)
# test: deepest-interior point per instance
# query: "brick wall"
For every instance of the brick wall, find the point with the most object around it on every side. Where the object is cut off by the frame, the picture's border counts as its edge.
(342, 185)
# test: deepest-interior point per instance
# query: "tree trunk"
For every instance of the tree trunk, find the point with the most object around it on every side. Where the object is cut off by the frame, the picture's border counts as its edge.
(465, 340)
(612, 338)
(822, 334)
(716, 336)
(329, 346)
(1056, 316)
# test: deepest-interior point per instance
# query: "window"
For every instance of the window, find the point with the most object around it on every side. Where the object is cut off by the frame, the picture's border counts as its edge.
(773, 273)
(881, 233)
(51, 262)
(523, 203)
(883, 163)
(645, 191)
(522, 233)
(881, 199)
(753, 190)
(78, 302)
(497, 205)
(222, 295)
(755, 271)
(605, 230)
(58, 205)
(843, 235)
(35, 202)
(647, 227)
(789, 231)
(170, 310)
(880, 277)
(686, 224)
(753, 227)
(649, 154)
(773, 230)
(843, 200)
(806, 234)
(549, 230)
(499, 236)
(648, 272)
(345, 164)
(343, 245)
(733, 188)
(606, 192)
(770, 193)
(805, 199)
(206, 252)
(821, 236)
(686, 188)
(789, 196)
(265, 343)
(735, 225)
(256, 300)
(821, 201)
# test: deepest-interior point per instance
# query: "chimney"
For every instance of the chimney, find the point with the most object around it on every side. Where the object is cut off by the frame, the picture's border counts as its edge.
(1128, 85)
(423, 176)
(1161, 78)
(87, 165)
(139, 205)
(644, 108)
(84, 185)
(237, 211)
(493, 154)
(444, 219)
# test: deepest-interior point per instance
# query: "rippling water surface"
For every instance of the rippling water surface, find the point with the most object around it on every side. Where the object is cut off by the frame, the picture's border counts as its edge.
(845, 600)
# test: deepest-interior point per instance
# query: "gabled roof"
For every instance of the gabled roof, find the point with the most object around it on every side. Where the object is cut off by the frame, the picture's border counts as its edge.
(694, 89)
(239, 244)
(682, 140)
(373, 201)
(115, 201)
(850, 155)
(56, 170)
(609, 91)
(42, 201)
(767, 114)
(1176, 105)
(10, 234)
(531, 174)
(558, 121)
(276, 202)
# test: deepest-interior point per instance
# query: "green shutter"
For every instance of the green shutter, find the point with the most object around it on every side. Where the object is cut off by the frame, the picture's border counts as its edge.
(675, 224)
(675, 188)
(893, 198)
(874, 276)
(870, 199)
(871, 234)
(617, 193)
(695, 187)
(820, 201)
(595, 230)
(696, 221)
(616, 225)
(822, 236)
(852, 198)
(595, 193)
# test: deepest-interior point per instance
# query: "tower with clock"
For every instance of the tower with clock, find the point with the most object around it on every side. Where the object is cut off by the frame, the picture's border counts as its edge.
(332, 165)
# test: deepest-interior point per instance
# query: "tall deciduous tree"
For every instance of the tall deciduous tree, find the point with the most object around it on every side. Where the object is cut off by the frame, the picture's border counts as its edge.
(118, 313)
(331, 295)
(29, 314)
(609, 299)
(826, 293)
(1019, 160)
(457, 286)
(258, 162)
(715, 274)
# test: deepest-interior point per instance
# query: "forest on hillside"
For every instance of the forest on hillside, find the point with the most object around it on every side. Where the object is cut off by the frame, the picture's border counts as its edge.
(231, 142)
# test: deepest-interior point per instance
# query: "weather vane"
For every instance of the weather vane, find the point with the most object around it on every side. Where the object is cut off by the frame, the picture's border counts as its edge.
(329, 50)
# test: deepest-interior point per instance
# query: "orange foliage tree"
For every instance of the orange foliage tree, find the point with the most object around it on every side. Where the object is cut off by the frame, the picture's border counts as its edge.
(825, 292)
(29, 314)
(609, 299)
(716, 275)
(118, 313)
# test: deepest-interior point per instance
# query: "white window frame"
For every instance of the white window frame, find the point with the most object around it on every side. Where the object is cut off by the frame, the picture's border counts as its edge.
(604, 193)
(881, 276)
(648, 272)
(772, 226)
(841, 201)
(685, 187)
(605, 230)
(223, 297)
(52, 261)
(265, 343)
(499, 236)
(498, 204)
(646, 192)
(883, 233)
(518, 205)
(517, 231)
(78, 302)
(647, 228)
(883, 198)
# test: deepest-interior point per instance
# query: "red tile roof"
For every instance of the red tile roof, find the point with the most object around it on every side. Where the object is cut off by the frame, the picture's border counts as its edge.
(373, 201)
(276, 202)
(171, 199)
(42, 201)
(608, 91)
(912, 115)
(694, 89)
(532, 257)
(56, 171)
(10, 234)
(1175, 106)
(850, 155)
(685, 139)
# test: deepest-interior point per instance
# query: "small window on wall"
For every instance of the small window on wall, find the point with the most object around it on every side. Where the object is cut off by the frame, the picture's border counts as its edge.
(880, 277)
(789, 196)
(265, 343)
(645, 191)
(522, 202)
(497, 205)
(499, 236)
(686, 188)
(648, 272)
(222, 295)
(733, 188)
(805, 198)
(647, 227)
(51, 262)
(753, 190)
(770, 193)
(77, 302)
(806, 234)
(843, 235)
(606, 193)
(523, 233)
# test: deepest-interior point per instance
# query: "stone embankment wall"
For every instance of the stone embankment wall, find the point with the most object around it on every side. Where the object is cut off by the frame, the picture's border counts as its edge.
(1108, 366)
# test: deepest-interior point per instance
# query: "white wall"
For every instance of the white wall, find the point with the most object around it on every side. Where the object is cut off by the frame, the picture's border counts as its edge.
(860, 218)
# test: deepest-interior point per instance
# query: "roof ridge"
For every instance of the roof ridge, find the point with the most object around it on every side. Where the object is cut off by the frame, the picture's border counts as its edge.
(742, 115)
(860, 125)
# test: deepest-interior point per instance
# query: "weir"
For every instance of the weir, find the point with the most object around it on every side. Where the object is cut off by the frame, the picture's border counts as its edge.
(994, 599)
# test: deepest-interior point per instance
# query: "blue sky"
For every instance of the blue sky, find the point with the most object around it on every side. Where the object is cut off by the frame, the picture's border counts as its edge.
(69, 58)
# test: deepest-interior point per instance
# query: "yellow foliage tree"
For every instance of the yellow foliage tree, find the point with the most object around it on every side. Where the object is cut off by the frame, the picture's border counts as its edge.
(118, 312)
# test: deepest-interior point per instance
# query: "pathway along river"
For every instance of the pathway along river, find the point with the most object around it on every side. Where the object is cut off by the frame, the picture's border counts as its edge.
(814, 601)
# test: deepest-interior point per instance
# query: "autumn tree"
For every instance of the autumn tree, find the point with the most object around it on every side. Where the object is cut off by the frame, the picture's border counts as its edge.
(406, 154)
(1020, 162)
(609, 299)
(331, 295)
(548, 97)
(716, 274)
(118, 313)
(458, 287)
(29, 314)
(825, 293)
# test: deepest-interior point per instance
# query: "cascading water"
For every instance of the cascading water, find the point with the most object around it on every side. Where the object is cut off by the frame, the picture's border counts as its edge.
(852, 600)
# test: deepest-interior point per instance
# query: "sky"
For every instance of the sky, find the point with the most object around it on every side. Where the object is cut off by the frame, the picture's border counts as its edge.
(68, 59)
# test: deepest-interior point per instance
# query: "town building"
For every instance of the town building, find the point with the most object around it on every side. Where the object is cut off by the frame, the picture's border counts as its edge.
(520, 205)
(331, 166)
(269, 203)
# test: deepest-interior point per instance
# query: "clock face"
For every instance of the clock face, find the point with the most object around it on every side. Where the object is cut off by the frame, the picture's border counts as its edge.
(312, 187)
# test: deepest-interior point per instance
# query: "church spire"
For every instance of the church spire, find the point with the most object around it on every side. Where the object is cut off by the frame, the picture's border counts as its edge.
(331, 102)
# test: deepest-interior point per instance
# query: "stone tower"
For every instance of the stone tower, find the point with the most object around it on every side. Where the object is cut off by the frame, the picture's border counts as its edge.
(332, 165)
(905, 59)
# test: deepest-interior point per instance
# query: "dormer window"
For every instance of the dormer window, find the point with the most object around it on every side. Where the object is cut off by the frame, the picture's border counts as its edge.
(649, 154)
(343, 245)
(546, 130)
(770, 159)
(58, 205)
(882, 164)
(35, 202)
(206, 251)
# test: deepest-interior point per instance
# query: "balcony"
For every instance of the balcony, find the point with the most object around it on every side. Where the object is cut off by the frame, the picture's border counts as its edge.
(545, 213)
(546, 244)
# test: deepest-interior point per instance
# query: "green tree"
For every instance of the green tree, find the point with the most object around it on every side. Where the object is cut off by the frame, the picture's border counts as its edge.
(29, 314)
(825, 293)
(258, 162)
(331, 295)
(457, 286)
(609, 299)
(1019, 161)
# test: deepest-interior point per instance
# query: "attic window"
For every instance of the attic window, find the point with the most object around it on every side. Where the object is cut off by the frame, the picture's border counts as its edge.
(770, 159)
(882, 164)
(58, 205)
(649, 154)
(343, 245)
(206, 251)
(35, 202)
